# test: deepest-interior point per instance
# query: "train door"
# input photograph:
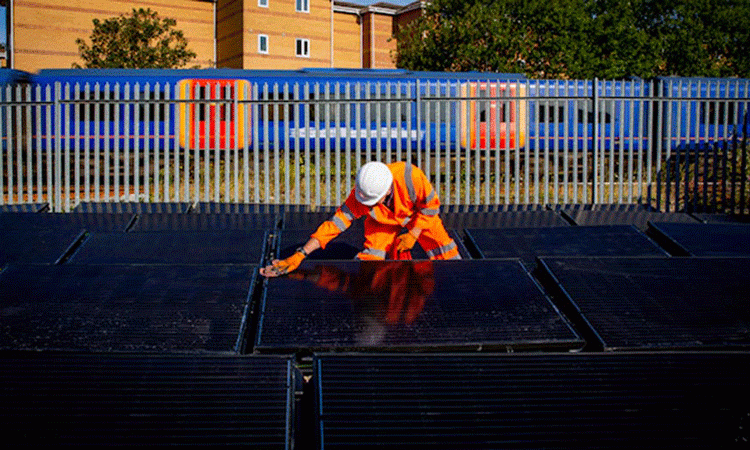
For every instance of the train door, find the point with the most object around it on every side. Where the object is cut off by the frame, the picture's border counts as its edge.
(206, 124)
(488, 119)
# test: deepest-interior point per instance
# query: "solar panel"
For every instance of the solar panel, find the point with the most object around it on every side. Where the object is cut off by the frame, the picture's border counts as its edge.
(37, 246)
(204, 222)
(656, 303)
(503, 219)
(636, 217)
(174, 247)
(100, 400)
(93, 222)
(246, 208)
(305, 219)
(124, 308)
(721, 218)
(709, 239)
(529, 243)
(126, 207)
(25, 207)
(532, 400)
(461, 208)
(409, 305)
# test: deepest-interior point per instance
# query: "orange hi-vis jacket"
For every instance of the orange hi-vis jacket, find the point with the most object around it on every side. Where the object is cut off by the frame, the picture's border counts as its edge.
(415, 205)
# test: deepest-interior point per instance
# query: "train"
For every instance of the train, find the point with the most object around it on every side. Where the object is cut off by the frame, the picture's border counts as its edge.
(219, 109)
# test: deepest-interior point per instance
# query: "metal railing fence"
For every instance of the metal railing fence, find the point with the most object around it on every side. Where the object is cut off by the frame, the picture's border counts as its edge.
(676, 144)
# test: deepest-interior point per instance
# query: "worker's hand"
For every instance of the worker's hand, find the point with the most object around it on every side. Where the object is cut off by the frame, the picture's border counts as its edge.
(284, 266)
(405, 242)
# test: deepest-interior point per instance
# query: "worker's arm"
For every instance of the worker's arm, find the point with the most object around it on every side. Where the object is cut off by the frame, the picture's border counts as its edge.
(284, 266)
(427, 204)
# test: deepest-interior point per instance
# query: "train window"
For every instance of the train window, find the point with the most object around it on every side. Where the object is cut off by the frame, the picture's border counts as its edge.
(549, 113)
(721, 113)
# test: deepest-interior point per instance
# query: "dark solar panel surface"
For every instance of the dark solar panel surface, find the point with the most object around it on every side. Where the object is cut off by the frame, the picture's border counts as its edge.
(721, 218)
(37, 245)
(529, 243)
(709, 239)
(659, 303)
(123, 207)
(176, 247)
(503, 219)
(204, 222)
(25, 207)
(107, 400)
(551, 401)
(636, 217)
(91, 222)
(423, 305)
(244, 208)
(122, 308)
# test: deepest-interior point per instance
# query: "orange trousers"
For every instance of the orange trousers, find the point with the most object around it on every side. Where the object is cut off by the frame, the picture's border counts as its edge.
(380, 242)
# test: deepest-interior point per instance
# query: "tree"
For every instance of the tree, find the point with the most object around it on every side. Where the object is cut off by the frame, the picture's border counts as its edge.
(580, 38)
(140, 40)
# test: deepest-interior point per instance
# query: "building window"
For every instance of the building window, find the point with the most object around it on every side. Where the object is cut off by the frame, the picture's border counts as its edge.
(303, 48)
(303, 5)
(263, 3)
(262, 43)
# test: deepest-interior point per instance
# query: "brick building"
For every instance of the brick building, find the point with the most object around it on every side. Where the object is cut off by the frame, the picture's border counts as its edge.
(245, 34)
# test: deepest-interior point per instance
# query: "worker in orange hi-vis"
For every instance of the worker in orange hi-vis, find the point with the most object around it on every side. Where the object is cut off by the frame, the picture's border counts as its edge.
(391, 197)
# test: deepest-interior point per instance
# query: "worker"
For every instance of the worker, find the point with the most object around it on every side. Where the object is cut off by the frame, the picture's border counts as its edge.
(392, 198)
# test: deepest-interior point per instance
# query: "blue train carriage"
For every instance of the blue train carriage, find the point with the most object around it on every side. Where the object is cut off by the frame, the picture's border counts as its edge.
(700, 112)
(353, 108)
(589, 114)
(311, 108)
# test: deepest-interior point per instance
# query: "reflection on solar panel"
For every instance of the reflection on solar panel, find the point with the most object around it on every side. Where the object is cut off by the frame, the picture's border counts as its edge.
(529, 243)
(658, 303)
(25, 207)
(177, 247)
(714, 239)
(552, 401)
(123, 207)
(124, 308)
(130, 400)
(638, 218)
(506, 219)
(204, 222)
(410, 305)
(244, 208)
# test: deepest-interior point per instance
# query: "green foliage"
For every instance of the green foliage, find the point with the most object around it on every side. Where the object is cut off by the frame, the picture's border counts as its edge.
(580, 38)
(140, 40)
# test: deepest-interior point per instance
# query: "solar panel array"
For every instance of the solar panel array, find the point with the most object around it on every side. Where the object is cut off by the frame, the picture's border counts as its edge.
(597, 326)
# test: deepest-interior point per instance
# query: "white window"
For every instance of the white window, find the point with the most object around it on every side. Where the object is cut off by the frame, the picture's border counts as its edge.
(303, 48)
(303, 5)
(263, 3)
(262, 43)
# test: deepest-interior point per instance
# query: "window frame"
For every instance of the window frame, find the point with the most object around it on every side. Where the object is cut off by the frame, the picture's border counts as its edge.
(305, 50)
(261, 38)
(302, 6)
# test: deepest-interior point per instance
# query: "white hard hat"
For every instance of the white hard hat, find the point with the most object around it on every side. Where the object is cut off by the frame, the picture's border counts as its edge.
(374, 179)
